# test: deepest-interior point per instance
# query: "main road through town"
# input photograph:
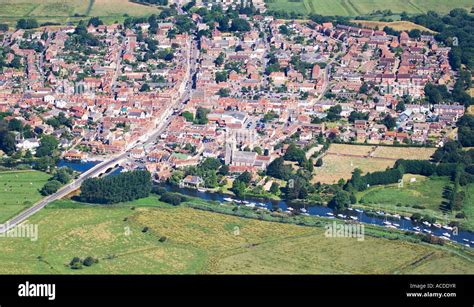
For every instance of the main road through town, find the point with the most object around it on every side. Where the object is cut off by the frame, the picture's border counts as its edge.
(146, 139)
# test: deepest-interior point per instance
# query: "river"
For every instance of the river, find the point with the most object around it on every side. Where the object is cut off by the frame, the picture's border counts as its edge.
(464, 237)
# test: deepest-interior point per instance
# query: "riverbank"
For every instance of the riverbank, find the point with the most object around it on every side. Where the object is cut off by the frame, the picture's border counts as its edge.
(147, 236)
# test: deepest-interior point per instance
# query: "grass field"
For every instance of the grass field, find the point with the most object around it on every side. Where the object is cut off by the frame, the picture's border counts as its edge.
(203, 242)
(19, 190)
(342, 159)
(396, 25)
(426, 192)
(363, 7)
(409, 153)
(337, 167)
(64, 10)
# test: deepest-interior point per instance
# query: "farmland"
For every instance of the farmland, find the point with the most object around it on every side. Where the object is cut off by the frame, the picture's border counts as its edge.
(341, 159)
(336, 167)
(19, 190)
(364, 7)
(410, 153)
(203, 242)
(396, 25)
(69, 10)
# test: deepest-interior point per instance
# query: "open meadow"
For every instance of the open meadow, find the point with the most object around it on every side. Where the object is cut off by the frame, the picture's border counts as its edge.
(70, 10)
(400, 25)
(126, 240)
(341, 159)
(364, 7)
(424, 196)
(19, 190)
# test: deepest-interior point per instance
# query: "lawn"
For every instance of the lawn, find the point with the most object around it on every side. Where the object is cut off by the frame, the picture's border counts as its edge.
(19, 190)
(364, 7)
(65, 10)
(201, 242)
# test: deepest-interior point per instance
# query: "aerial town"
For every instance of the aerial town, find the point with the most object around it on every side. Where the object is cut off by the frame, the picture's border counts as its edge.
(215, 133)
(252, 90)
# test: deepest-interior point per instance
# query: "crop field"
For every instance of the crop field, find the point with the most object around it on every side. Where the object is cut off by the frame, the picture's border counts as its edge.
(65, 10)
(409, 153)
(336, 167)
(396, 25)
(347, 149)
(364, 7)
(202, 242)
(19, 190)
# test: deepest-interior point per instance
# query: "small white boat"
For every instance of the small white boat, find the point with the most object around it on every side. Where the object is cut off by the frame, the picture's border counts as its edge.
(291, 209)
(330, 214)
(466, 240)
(387, 223)
(390, 226)
(445, 238)
(350, 209)
(467, 245)
(228, 199)
(427, 230)
(426, 223)
(407, 218)
(446, 234)
(250, 205)
(437, 225)
(303, 210)
(342, 216)
(472, 242)
(246, 202)
(396, 225)
(417, 228)
(201, 190)
(447, 227)
(397, 216)
(380, 212)
(359, 210)
(355, 218)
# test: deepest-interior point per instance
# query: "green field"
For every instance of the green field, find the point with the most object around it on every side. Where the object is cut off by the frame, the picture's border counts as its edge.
(19, 190)
(364, 7)
(426, 192)
(64, 10)
(204, 242)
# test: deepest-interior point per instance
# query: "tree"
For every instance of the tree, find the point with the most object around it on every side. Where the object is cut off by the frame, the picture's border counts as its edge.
(221, 76)
(50, 187)
(27, 24)
(275, 188)
(240, 25)
(188, 116)
(340, 201)
(278, 170)
(334, 113)
(389, 122)
(294, 153)
(245, 177)
(220, 59)
(319, 162)
(238, 188)
(123, 187)
(201, 116)
(400, 107)
(145, 88)
(48, 144)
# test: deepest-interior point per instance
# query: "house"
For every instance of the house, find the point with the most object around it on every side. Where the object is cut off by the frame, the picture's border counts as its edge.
(194, 181)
